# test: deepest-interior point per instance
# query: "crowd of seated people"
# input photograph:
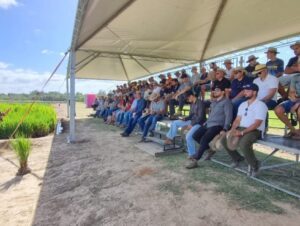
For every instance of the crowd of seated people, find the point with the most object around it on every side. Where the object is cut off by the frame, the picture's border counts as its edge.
(237, 108)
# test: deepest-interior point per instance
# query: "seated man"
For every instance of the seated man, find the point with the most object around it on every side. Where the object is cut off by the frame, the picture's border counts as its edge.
(249, 125)
(236, 90)
(229, 69)
(195, 79)
(291, 105)
(219, 119)
(179, 97)
(267, 85)
(251, 66)
(274, 65)
(204, 82)
(291, 69)
(156, 113)
(221, 82)
(192, 122)
(136, 114)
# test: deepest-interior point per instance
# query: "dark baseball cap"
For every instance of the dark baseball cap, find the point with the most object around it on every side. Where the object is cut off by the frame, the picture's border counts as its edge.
(222, 88)
(251, 86)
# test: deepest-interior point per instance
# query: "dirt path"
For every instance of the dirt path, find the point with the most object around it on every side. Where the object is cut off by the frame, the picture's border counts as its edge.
(106, 181)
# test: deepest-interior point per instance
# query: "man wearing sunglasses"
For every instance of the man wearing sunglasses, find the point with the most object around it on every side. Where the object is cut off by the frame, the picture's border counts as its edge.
(268, 86)
(249, 126)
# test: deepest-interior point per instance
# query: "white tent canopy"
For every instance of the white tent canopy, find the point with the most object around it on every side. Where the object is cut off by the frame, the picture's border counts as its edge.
(128, 39)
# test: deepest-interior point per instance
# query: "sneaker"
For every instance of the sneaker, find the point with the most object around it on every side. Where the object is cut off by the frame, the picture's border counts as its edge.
(124, 135)
(235, 164)
(293, 119)
(151, 133)
(143, 139)
(192, 163)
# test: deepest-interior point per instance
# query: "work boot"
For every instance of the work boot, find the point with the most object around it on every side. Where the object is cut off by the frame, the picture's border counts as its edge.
(209, 155)
(255, 170)
(192, 163)
(236, 164)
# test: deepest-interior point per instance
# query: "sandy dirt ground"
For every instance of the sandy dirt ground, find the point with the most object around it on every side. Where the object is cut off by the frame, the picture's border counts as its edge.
(105, 180)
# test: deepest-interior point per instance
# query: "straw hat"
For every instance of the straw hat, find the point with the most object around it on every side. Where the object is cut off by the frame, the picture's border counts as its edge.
(240, 69)
(232, 141)
(259, 68)
(154, 96)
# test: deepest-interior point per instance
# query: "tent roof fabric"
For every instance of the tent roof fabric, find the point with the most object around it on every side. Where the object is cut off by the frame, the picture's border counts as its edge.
(129, 39)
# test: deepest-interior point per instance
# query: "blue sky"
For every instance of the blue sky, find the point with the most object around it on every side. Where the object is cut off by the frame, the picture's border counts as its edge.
(36, 33)
(34, 36)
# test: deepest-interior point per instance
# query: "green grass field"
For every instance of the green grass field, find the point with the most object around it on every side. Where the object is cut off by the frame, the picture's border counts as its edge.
(40, 122)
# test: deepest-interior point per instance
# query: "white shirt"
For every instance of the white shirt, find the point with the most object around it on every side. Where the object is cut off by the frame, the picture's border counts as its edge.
(255, 111)
(228, 73)
(264, 86)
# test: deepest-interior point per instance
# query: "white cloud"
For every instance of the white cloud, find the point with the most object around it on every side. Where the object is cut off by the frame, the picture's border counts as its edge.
(47, 52)
(5, 4)
(3, 65)
(37, 31)
(25, 80)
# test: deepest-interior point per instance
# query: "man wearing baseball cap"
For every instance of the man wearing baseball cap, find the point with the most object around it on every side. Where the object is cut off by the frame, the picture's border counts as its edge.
(249, 126)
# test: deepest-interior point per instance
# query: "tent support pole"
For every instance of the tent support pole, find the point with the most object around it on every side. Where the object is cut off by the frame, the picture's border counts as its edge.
(72, 98)
(124, 68)
(68, 96)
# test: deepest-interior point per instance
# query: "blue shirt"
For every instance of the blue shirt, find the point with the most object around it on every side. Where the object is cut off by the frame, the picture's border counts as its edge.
(275, 67)
(237, 86)
(293, 61)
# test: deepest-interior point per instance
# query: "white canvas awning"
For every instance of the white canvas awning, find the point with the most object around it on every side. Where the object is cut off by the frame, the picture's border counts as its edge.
(129, 39)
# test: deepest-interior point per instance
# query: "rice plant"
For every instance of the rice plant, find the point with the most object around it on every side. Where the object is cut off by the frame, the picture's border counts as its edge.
(22, 148)
(40, 122)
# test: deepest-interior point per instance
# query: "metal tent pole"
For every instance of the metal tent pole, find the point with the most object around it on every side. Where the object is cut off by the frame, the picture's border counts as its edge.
(68, 96)
(72, 98)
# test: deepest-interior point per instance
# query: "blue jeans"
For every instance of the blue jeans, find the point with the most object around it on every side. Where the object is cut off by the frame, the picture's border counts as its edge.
(119, 117)
(150, 123)
(174, 127)
(132, 123)
(142, 122)
(190, 142)
(127, 117)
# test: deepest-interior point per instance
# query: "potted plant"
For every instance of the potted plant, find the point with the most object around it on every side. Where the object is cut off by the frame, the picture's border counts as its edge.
(22, 148)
